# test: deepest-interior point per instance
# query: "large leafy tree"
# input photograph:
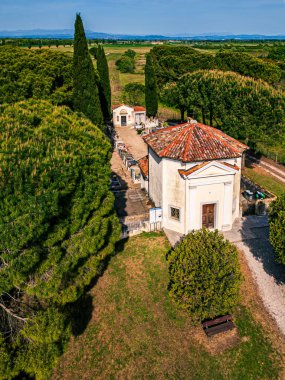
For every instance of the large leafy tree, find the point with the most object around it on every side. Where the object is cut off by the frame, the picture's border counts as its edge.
(248, 65)
(85, 79)
(104, 84)
(57, 225)
(151, 97)
(126, 64)
(171, 62)
(205, 275)
(246, 109)
(134, 94)
(277, 227)
(39, 74)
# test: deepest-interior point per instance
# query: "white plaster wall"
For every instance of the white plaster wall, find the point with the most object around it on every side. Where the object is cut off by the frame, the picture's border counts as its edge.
(167, 188)
(155, 176)
(210, 190)
(144, 183)
(130, 116)
(140, 115)
(173, 195)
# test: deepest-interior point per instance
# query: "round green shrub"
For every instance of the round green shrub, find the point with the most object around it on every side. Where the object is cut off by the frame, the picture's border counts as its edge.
(205, 275)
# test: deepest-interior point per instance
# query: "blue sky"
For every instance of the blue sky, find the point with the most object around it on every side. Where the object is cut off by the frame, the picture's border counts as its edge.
(148, 16)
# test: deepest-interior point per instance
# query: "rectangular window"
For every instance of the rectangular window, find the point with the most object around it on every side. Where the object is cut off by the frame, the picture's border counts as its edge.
(118, 118)
(175, 213)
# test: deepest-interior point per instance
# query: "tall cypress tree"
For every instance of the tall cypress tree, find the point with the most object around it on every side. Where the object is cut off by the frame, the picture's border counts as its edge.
(151, 98)
(85, 86)
(104, 84)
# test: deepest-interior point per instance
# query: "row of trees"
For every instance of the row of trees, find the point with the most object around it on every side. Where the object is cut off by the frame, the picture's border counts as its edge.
(166, 65)
(171, 62)
(57, 217)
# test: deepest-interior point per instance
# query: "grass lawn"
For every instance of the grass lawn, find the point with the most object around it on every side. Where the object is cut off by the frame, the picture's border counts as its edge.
(136, 332)
(265, 180)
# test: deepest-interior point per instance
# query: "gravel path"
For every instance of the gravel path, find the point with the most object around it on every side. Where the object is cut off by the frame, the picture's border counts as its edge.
(134, 143)
(251, 235)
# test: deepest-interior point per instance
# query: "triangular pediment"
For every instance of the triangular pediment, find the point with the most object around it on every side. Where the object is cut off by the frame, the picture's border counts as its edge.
(209, 169)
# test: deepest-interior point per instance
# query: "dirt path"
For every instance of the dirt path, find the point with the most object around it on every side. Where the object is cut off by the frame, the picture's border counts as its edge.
(251, 235)
(134, 143)
(275, 170)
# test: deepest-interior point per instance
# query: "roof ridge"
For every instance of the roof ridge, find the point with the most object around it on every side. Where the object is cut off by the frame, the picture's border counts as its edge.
(191, 127)
(211, 130)
(173, 142)
(169, 128)
(189, 142)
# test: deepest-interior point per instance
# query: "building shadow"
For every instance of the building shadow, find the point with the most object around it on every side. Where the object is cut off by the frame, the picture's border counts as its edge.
(121, 197)
(256, 238)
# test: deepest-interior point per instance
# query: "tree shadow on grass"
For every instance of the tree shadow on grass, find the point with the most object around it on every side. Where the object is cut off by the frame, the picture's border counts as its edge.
(81, 311)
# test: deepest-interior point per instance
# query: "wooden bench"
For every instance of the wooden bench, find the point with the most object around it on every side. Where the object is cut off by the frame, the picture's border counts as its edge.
(218, 325)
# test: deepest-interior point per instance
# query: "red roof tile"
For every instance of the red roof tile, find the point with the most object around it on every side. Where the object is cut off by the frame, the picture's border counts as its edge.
(192, 142)
(143, 164)
(138, 108)
(135, 108)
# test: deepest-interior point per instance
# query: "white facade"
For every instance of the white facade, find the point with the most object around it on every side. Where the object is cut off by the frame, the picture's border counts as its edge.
(144, 183)
(215, 183)
(125, 116)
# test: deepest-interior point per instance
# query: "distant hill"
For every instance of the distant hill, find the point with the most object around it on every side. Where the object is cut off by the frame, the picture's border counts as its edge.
(68, 33)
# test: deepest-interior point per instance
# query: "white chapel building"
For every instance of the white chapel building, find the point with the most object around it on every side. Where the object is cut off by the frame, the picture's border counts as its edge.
(125, 116)
(193, 172)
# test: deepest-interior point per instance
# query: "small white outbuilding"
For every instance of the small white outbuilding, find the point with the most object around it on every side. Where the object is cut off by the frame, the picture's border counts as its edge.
(126, 116)
(193, 172)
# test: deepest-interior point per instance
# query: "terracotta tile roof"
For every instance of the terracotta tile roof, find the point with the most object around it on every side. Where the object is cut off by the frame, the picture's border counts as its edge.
(185, 173)
(193, 169)
(135, 108)
(139, 108)
(235, 167)
(192, 142)
(117, 106)
(143, 164)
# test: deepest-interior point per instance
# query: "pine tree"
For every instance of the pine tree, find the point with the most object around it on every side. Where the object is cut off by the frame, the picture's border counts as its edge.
(85, 81)
(104, 87)
(56, 196)
(151, 98)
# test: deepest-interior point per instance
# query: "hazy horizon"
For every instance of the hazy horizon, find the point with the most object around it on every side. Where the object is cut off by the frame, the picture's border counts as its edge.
(174, 17)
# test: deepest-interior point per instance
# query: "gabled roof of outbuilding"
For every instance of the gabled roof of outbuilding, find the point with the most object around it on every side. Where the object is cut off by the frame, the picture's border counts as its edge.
(139, 109)
(135, 108)
(191, 142)
(143, 164)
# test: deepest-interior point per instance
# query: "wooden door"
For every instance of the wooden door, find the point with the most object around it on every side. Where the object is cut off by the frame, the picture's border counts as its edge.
(123, 121)
(208, 216)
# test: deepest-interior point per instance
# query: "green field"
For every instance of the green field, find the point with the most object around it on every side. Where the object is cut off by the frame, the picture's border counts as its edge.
(134, 330)
(265, 180)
